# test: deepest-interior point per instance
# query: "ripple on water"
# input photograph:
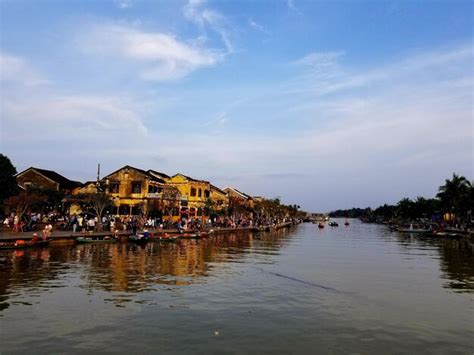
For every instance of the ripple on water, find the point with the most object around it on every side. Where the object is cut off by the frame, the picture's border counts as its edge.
(360, 289)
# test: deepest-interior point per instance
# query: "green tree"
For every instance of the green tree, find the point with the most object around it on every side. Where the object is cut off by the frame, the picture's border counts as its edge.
(8, 184)
(96, 202)
(405, 208)
(454, 194)
(23, 202)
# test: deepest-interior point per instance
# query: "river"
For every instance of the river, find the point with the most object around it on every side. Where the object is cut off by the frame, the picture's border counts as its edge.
(359, 289)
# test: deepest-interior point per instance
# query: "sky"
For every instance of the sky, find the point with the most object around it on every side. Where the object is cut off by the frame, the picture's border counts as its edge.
(326, 104)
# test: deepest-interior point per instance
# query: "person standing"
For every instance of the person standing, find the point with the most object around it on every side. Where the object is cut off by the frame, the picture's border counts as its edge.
(16, 224)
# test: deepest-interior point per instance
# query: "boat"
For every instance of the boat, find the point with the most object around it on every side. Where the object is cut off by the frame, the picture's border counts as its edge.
(22, 244)
(346, 223)
(447, 234)
(107, 239)
(333, 224)
(320, 225)
(414, 230)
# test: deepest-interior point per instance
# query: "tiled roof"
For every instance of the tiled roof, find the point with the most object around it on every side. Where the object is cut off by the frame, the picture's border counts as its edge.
(64, 183)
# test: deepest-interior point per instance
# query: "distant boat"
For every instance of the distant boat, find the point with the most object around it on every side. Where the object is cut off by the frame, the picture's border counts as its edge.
(346, 223)
(333, 224)
(414, 230)
(320, 225)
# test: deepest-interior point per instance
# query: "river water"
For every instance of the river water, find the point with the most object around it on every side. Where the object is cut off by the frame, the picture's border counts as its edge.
(359, 289)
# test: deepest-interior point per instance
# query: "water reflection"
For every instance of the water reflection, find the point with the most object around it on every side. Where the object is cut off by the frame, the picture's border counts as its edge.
(130, 268)
(457, 264)
(272, 292)
(456, 258)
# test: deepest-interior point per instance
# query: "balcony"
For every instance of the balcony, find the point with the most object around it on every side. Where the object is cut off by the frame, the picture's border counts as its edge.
(154, 195)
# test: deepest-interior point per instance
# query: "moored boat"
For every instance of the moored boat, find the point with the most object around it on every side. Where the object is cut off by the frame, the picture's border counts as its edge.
(333, 224)
(446, 234)
(411, 229)
(320, 225)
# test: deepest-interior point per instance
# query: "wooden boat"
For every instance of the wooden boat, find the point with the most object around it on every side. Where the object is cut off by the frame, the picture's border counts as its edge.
(81, 240)
(24, 245)
(414, 230)
(320, 225)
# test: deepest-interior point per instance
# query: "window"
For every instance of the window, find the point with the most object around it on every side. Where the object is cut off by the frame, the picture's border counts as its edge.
(114, 187)
(136, 187)
(193, 191)
(124, 209)
(199, 193)
(152, 189)
(206, 193)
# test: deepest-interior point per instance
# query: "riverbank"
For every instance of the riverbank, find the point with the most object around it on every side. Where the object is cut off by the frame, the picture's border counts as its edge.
(57, 236)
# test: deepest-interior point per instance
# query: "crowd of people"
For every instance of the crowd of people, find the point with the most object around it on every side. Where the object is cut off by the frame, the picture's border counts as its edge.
(86, 222)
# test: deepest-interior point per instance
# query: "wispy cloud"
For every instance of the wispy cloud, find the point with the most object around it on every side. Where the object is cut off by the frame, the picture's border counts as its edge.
(257, 26)
(16, 70)
(291, 4)
(197, 12)
(292, 7)
(158, 56)
(124, 4)
(74, 114)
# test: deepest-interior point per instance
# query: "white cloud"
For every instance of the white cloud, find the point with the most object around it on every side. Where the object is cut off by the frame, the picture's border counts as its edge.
(158, 56)
(196, 12)
(257, 26)
(320, 59)
(16, 70)
(57, 114)
(125, 4)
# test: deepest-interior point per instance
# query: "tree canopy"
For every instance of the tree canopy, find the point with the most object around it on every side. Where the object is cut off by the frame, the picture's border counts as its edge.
(8, 184)
(455, 196)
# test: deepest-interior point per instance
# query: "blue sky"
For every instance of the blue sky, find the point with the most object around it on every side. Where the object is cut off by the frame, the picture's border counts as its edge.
(328, 104)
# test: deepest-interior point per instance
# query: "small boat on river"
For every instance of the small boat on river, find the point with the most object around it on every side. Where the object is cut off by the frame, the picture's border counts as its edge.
(333, 224)
(411, 229)
(447, 234)
(320, 225)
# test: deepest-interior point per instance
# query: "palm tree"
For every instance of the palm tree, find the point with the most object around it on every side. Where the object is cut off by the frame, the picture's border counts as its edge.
(453, 193)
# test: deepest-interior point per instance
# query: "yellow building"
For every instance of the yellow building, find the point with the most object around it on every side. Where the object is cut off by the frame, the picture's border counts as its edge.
(135, 191)
(243, 198)
(194, 194)
(219, 198)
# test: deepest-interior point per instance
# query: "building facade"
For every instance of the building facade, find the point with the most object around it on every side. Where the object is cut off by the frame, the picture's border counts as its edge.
(45, 180)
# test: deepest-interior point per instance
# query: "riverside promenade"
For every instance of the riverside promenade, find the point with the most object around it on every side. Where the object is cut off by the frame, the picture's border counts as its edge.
(62, 235)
